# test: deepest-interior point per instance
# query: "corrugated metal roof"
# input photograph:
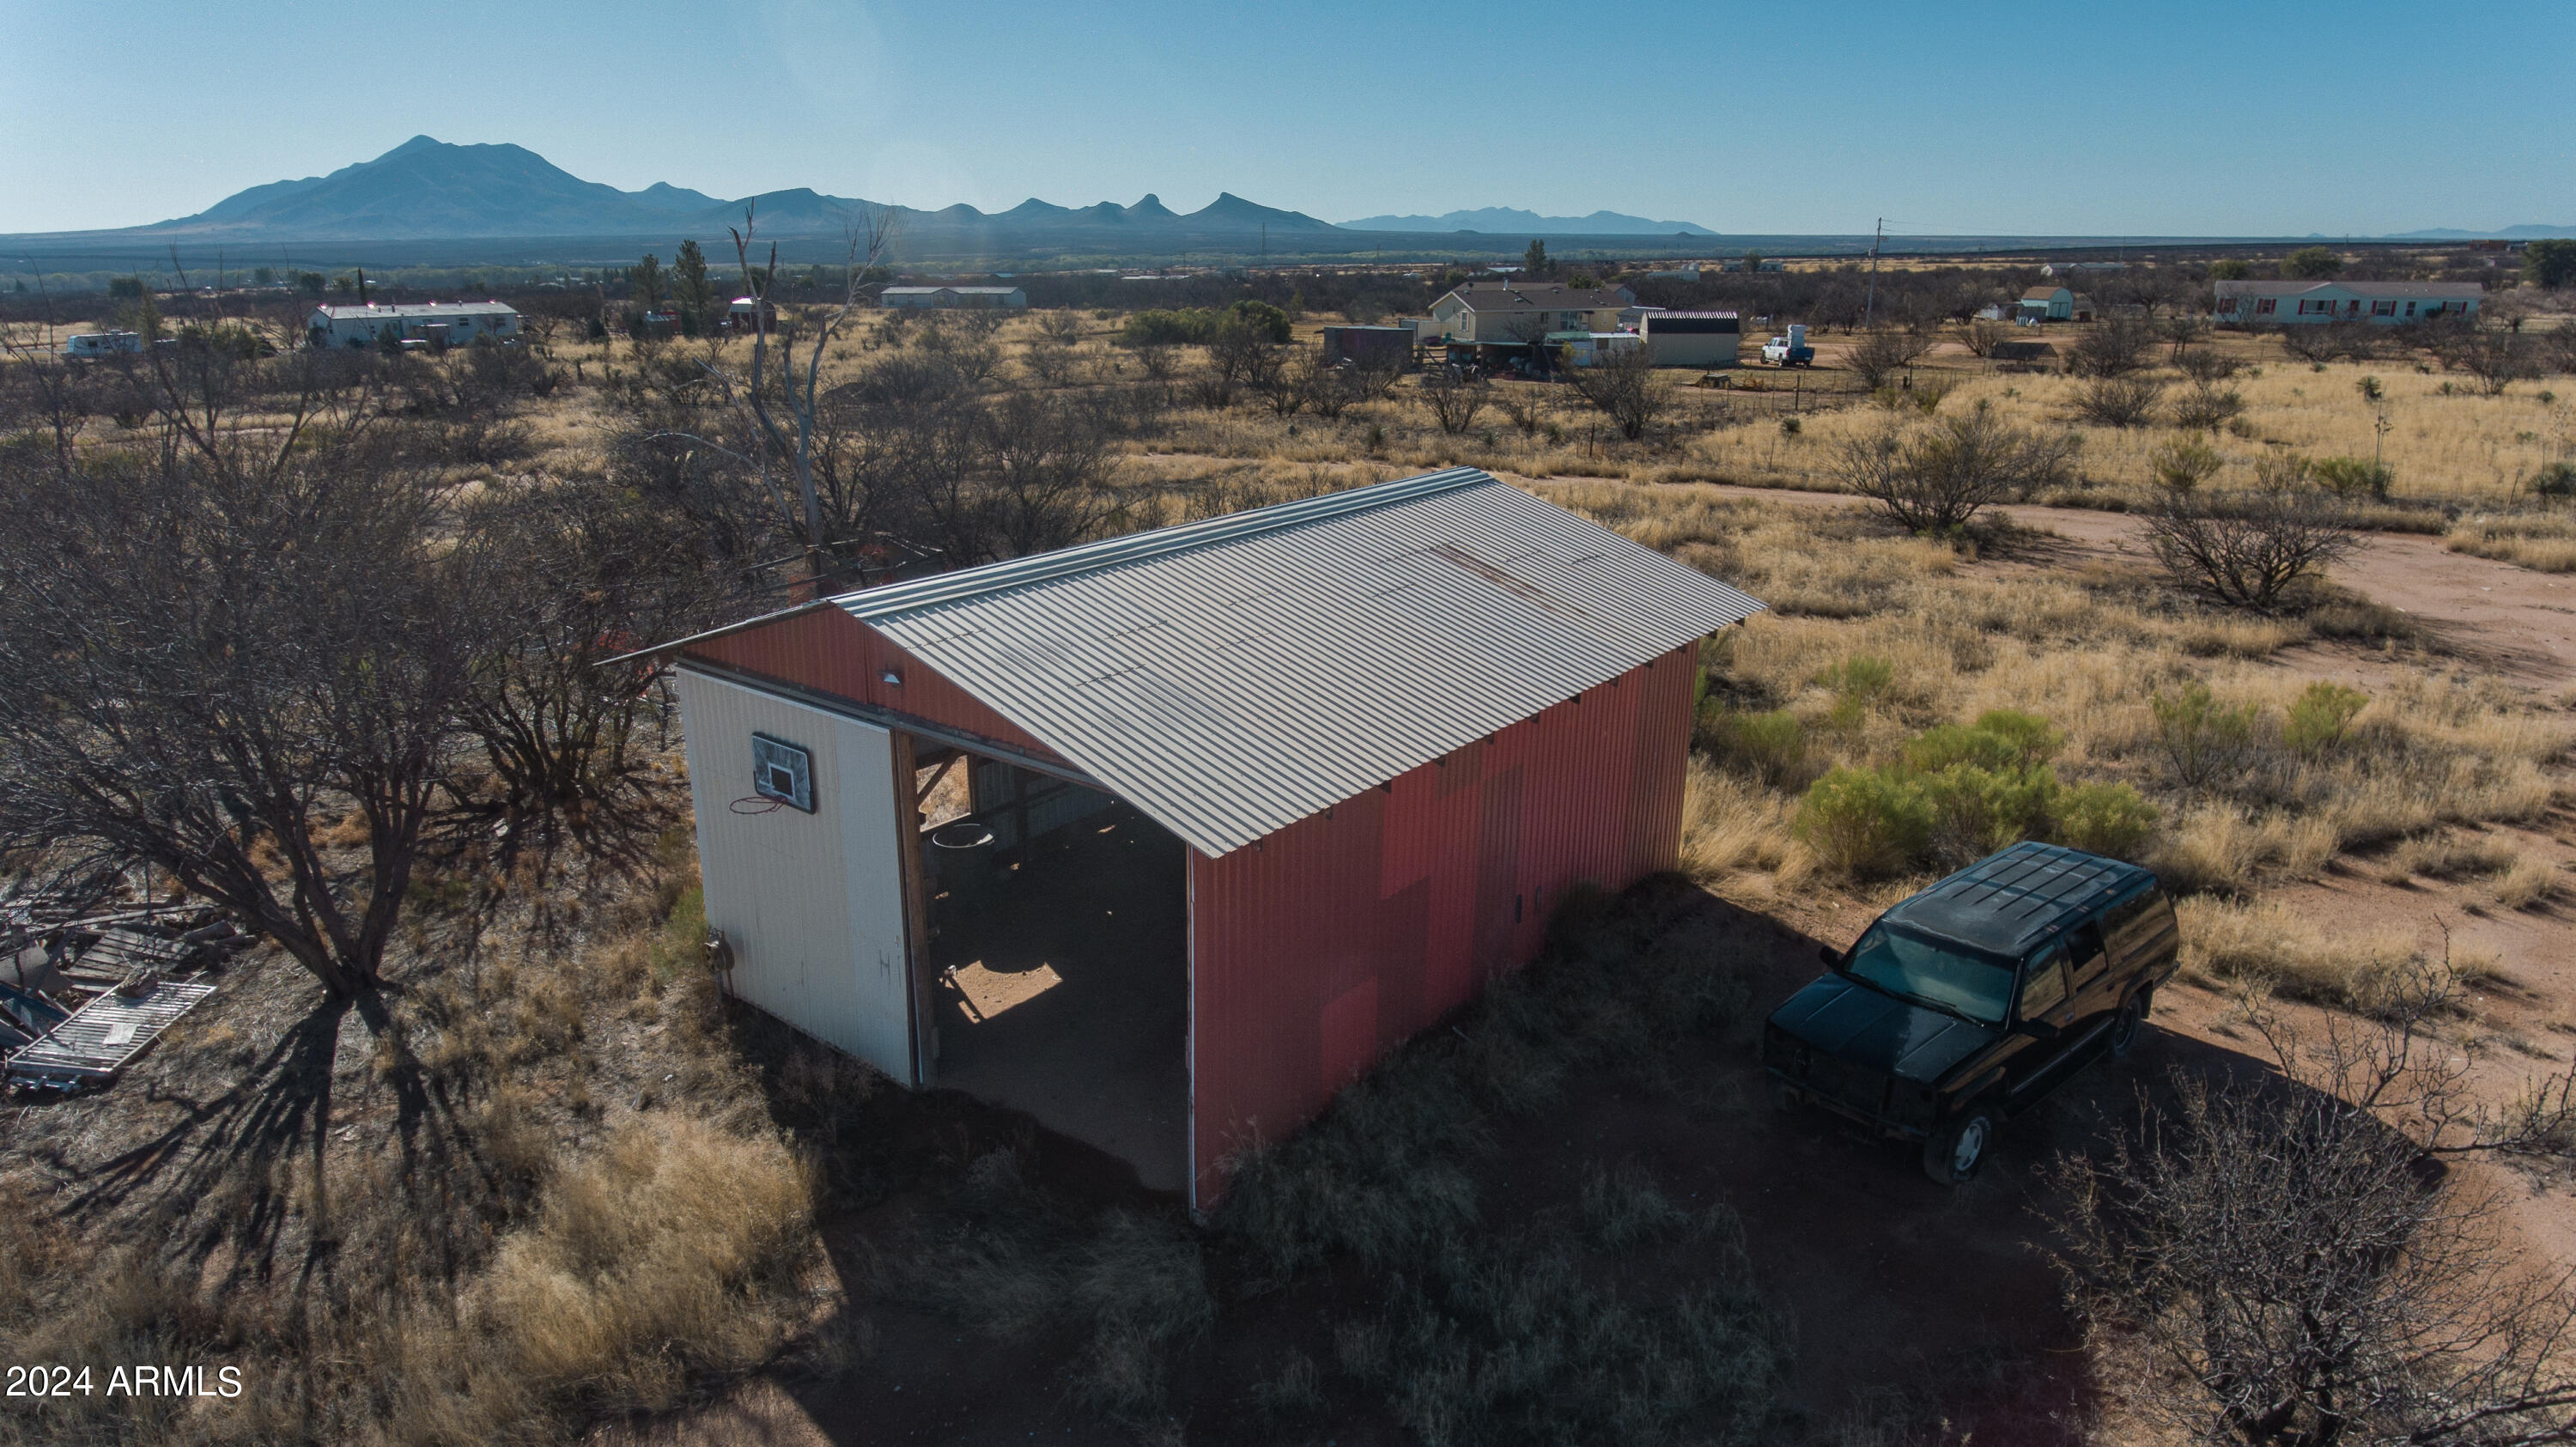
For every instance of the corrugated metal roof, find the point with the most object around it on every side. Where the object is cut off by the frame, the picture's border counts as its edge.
(1232, 676)
(105, 1035)
(2448, 290)
(379, 312)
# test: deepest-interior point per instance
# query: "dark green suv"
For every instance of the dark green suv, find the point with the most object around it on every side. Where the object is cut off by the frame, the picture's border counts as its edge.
(1964, 1005)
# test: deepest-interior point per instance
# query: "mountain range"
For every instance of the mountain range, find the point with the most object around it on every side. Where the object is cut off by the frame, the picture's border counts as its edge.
(2509, 233)
(1530, 223)
(428, 189)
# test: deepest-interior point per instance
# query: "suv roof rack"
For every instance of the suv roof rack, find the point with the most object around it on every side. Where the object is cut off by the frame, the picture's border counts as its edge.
(2007, 903)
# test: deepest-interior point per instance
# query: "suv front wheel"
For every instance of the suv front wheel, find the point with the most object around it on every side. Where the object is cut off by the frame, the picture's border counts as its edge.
(1954, 1151)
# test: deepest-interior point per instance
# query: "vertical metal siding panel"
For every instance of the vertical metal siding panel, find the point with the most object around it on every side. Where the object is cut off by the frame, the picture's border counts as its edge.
(813, 903)
(832, 652)
(1385, 895)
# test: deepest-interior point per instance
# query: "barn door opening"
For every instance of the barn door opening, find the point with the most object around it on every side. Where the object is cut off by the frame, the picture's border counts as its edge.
(1058, 956)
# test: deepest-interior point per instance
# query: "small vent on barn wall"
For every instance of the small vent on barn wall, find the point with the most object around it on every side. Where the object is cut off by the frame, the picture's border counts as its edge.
(782, 771)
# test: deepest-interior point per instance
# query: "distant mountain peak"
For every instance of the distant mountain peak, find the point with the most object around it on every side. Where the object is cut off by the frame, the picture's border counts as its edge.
(429, 189)
(1505, 220)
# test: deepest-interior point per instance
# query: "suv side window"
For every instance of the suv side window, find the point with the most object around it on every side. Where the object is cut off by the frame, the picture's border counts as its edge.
(2127, 924)
(2043, 985)
(2089, 956)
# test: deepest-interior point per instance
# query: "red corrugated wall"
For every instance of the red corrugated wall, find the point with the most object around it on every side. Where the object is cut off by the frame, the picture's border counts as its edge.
(1334, 939)
(831, 652)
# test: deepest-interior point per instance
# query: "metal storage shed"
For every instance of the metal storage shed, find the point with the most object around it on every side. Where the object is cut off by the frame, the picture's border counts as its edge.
(1269, 793)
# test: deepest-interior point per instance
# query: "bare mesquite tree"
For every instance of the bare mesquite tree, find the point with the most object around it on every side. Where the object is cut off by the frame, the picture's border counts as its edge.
(2114, 348)
(790, 439)
(1879, 355)
(2251, 548)
(2299, 1268)
(564, 577)
(2497, 357)
(1937, 477)
(210, 649)
(1627, 389)
(1454, 399)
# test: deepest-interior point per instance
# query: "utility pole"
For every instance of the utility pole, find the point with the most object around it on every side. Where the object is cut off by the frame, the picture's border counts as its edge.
(1869, 311)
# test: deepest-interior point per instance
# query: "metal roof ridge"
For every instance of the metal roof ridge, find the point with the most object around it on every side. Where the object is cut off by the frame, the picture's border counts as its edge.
(873, 605)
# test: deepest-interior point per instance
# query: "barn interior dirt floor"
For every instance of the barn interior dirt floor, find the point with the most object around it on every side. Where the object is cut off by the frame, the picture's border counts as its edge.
(1064, 991)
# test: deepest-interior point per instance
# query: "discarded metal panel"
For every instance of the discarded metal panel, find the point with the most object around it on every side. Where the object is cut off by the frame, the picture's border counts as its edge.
(103, 1037)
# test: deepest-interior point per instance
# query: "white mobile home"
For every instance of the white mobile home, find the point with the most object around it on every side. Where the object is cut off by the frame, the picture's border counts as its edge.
(101, 344)
(954, 296)
(454, 324)
(2311, 303)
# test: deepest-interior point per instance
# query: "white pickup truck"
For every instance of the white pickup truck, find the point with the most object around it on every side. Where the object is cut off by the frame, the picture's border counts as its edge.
(1789, 349)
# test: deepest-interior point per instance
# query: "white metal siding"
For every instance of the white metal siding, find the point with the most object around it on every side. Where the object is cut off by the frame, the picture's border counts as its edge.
(812, 903)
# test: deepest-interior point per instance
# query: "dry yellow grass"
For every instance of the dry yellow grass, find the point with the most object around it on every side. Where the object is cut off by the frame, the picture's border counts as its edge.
(2543, 542)
(2088, 650)
(2528, 882)
(2438, 445)
(2265, 945)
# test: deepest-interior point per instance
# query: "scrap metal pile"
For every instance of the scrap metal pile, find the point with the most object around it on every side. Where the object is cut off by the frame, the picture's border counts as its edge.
(88, 984)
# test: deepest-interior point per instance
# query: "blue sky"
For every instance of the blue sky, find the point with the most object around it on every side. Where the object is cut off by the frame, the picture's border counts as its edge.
(2065, 118)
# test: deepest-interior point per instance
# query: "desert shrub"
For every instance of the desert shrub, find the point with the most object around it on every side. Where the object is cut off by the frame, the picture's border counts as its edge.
(2184, 463)
(2353, 477)
(1771, 745)
(1976, 811)
(1627, 388)
(1866, 821)
(2119, 401)
(1880, 355)
(2250, 549)
(1937, 479)
(1999, 739)
(1962, 791)
(2555, 482)
(1860, 683)
(2201, 737)
(2321, 716)
(2112, 819)
(1454, 400)
(2114, 348)
(2206, 406)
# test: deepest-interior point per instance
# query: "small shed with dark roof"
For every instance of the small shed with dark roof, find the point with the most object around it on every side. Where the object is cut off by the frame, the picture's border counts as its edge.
(1164, 839)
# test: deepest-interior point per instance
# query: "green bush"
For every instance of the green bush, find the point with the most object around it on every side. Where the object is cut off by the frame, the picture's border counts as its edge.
(1963, 791)
(2354, 477)
(2311, 263)
(1866, 822)
(1858, 682)
(2000, 739)
(2557, 481)
(1199, 325)
(2199, 735)
(1772, 745)
(1976, 811)
(2321, 717)
(2107, 819)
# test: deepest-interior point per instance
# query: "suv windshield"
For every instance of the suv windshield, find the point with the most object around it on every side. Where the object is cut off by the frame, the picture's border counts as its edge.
(1913, 969)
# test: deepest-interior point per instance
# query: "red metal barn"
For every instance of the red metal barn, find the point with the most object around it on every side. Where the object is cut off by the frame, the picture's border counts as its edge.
(1165, 839)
